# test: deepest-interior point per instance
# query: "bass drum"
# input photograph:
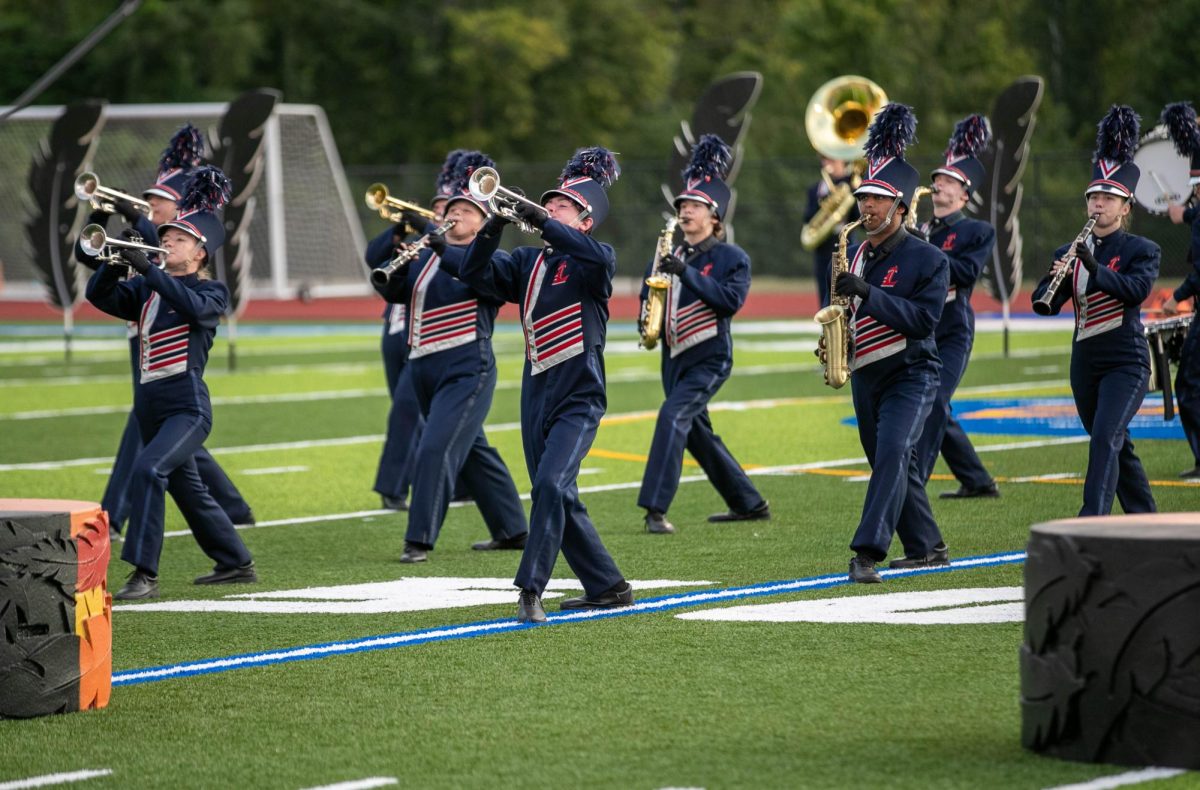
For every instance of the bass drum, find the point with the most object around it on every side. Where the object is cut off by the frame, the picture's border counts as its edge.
(1164, 172)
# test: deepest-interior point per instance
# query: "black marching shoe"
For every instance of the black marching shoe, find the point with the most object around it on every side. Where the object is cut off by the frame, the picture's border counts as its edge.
(759, 513)
(529, 608)
(140, 584)
(938, 558)
(414, 553)
(515, 542)
(243, 574)
(657, 524)
(620, 594)
(862, 570)
(1191, 474)
(988, 491)
(393, 503)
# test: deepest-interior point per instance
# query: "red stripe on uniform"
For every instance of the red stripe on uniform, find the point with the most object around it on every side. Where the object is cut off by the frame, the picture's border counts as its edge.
(577, 340)
(450, 308)
(557, 333)
(557, 314)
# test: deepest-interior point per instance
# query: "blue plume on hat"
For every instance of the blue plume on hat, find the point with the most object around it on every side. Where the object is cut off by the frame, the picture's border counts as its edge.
(468, 162)
(595, 163)
(711, 158)
(186, 150)
(893, 130)
(1117, 138)
(1180, 120)
(447, 176)
(970, 137)
(207, 190)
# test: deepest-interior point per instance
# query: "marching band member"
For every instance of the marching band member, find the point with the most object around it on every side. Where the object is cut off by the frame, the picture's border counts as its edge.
(839, 173)
(898, 287)
(177, 309)
(404, 423)
(1180, 120)
(1110, 361)
(562, 290)
(453, 374)
(709, 282)
(184, 152)
(967, 243)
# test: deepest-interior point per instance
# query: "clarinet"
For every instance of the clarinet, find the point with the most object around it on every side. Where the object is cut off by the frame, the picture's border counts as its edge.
(1044, 306)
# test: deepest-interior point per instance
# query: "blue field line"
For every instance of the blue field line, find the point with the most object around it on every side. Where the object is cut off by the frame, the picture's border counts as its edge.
(663, 603)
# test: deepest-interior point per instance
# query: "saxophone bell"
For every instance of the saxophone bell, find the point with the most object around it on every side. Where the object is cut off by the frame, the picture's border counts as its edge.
(833, 347)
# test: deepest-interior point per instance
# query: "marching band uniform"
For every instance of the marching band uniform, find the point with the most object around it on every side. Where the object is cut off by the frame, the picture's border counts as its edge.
(452, 372)
(709, 282)
(562, 290)
(1180, 120)
(183, 153)
(1110, 360)
(177, 317)
(899, 288)
(967, 244)
(823, 254)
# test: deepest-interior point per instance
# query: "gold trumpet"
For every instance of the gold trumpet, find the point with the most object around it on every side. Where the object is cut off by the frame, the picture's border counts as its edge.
(93, 241)
(101, 198)
(390, 208)
(381, 276)
(654, 308)
(484, 186)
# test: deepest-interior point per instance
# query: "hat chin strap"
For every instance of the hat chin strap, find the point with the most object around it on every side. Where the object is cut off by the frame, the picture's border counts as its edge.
(887, 221)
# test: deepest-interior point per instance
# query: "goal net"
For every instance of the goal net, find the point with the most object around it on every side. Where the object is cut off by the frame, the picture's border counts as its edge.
(305, 235)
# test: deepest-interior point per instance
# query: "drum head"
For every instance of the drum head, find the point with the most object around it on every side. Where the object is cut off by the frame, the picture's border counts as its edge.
(1164, 176)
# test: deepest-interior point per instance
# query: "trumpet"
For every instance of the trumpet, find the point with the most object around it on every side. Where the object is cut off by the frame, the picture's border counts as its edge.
(381, 276)
(390, 208)
(87, 187)
(93, 240)
(654, 308)
(484, 186)
(1045, 305)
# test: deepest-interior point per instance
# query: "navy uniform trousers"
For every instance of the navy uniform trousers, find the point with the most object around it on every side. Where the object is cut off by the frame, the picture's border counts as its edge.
(690, 381)
(454, 390)
(1187, 378)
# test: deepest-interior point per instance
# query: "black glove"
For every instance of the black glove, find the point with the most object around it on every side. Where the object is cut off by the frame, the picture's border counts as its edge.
(437, 243)
(127, 210)
(851, 285)
(494, 226)
(1086, 258)
(534, 215)
(419, 224)
(98, 217)
(137, 259)
(670, 264)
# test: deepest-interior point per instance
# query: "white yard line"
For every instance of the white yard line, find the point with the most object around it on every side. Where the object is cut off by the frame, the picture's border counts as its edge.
(273, 470)
(1124, 780)
(360, 784)
(48, 780)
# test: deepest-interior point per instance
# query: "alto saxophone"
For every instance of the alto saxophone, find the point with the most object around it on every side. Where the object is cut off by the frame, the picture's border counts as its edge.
(650, 323)
(833, 349)
(833, 209)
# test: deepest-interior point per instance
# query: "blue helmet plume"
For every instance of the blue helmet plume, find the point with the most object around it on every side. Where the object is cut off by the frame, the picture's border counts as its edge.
(893, 130)
(596, 163)
(1180, 120)
(970, 137)
(1117, 137)
(711, 158)
(207, 190)
(468, 163)
(445, 179)
(186, 150)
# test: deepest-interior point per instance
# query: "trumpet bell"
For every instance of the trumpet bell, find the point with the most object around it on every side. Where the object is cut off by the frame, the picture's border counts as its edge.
(839, 115)
(92, 239)
(484, 183)
(86, 185)
(376, 197)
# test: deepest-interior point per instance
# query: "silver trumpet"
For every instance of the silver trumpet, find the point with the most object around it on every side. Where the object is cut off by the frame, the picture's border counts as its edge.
(484, 186)
(87, 187)
(96, 243)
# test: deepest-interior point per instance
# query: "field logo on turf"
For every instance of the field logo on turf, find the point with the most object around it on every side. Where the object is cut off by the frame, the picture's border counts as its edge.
(935, 607)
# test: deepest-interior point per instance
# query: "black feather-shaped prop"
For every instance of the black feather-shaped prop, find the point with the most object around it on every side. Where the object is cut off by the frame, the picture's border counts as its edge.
(1180, 120)
(53, 224)
(238, 151)
(893, 130)
(711, 158)
(185, 151)
(465, 164)
(596, 163)
(971, 135)
(1015, 113)
(1117, 135)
